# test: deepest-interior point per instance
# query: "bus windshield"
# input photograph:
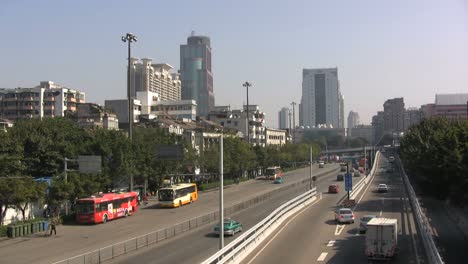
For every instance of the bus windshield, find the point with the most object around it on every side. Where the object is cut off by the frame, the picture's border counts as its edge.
(166, 195)
(85, 208)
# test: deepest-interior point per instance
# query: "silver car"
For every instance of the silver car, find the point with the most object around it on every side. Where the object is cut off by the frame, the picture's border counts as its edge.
(344, 215)
(363, 222)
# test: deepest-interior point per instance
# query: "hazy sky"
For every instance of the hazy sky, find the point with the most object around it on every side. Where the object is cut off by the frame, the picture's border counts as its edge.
(383, 49)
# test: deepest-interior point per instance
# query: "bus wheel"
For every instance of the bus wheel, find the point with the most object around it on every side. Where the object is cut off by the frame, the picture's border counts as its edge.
(126, 213)
(180, 203)
(104, 219)
(191, 200)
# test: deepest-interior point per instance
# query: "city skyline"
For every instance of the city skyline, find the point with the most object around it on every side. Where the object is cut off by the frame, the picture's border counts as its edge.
(383, 50)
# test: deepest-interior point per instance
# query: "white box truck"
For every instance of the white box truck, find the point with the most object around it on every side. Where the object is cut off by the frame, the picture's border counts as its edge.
(381, 238)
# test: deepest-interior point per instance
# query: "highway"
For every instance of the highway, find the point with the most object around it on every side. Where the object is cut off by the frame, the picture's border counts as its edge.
(72, 240)
(197, 245)
(312, 236)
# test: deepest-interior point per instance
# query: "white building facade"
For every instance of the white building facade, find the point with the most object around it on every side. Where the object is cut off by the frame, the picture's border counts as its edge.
(45, 100)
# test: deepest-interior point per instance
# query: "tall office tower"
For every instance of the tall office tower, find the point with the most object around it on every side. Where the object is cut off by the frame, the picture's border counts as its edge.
(196, 74)
(322, 101)
(394, 115)
(378, 126)
(156, 78)
(283, 118)
(353, 119)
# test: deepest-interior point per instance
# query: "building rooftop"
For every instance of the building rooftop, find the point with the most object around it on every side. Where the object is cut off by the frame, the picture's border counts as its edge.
(451, 99)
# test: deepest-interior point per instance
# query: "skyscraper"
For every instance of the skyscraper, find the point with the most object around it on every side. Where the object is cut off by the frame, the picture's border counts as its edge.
(353, 119)
(196, 74)
(283, 118)
(394, 115)
(322, 101)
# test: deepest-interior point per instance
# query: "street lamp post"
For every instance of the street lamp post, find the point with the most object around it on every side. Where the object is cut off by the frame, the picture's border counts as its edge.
(294, 122)
(247, 85)
(129, 38)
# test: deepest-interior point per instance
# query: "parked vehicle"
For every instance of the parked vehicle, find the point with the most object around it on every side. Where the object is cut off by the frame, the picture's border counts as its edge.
(344, 215)
(363, 222)
(357, 174)
(381, 238)
(333, 188)
(340, 177)
(391, 159)
(382, 188)
(231, 227)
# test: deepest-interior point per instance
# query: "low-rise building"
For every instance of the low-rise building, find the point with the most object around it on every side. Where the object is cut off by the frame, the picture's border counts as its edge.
(94, 115)
(5, 124)
(120, 108)
(237, 120)
(361, 131)
(299, 132)
(48, 99)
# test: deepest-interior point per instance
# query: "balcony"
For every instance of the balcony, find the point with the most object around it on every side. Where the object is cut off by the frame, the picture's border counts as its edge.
(49, 107)
(10, 99)
(71, 99)
(11, 107)
(27, 107)
(27, 98)
(49, 99)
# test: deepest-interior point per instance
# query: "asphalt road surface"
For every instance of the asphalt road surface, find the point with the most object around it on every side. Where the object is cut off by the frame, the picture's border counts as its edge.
(72, 240)
(313, 236)
(197, 245)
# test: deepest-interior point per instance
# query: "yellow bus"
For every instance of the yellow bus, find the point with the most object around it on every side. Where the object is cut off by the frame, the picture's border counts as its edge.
(178, 195)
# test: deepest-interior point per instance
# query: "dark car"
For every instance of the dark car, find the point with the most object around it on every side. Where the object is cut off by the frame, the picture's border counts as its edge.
(333, 188)
(340, 177)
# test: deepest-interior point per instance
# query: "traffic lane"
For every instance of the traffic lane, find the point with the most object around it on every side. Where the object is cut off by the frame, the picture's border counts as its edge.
(73, 240)
(196, 246)
(394, 204)
(303, 234)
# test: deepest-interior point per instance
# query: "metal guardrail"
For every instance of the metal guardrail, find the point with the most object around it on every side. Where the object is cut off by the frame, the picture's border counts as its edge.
(432, 253)
(261, 230)
(124, 247)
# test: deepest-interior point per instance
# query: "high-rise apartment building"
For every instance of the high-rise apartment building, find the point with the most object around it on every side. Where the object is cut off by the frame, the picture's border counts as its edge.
(394, 115)
(156, 78)
(283, 118)
(322, 102)
(196, 73)
(48, 99)
(353, 119)
(378, 126)
(413, 116)
(451, 106)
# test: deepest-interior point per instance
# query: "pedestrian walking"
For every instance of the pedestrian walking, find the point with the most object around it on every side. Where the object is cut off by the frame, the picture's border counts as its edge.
(53, 224)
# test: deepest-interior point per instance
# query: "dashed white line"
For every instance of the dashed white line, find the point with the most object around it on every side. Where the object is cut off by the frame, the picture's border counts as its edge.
(322, 256)
(331, 243)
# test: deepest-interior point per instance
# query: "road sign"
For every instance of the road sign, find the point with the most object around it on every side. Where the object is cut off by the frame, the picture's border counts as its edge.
(89, 164)
(348, 182)
(170, 152)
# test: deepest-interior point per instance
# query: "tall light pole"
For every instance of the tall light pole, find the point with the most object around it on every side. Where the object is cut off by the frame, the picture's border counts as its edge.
(310, 172)
(294, 122)
(247, 85)
(221, 195)
(129, 38)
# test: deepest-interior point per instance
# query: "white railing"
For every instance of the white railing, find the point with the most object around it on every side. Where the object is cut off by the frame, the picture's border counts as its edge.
(432, 253)
(365, 180)
(244, 244)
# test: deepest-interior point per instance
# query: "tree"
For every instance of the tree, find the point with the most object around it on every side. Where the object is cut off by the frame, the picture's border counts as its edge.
(26, 190)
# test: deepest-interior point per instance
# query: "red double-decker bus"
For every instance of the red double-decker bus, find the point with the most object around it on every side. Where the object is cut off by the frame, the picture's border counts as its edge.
(104, 207)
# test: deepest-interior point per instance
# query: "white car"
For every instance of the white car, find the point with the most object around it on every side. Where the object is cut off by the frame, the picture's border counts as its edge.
(344, 215)
(382, 188)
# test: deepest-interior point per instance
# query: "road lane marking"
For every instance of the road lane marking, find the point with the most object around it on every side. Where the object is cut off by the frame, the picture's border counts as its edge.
(330, 244)
(322, 256)
(380, 213)
(339, 229)
(277, 233)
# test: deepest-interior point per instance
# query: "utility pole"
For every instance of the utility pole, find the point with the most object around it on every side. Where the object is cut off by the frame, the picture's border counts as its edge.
(310, 174)
(365, 160)
(247, 85)
(347, 174)
(221, 198)
(294, 122)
